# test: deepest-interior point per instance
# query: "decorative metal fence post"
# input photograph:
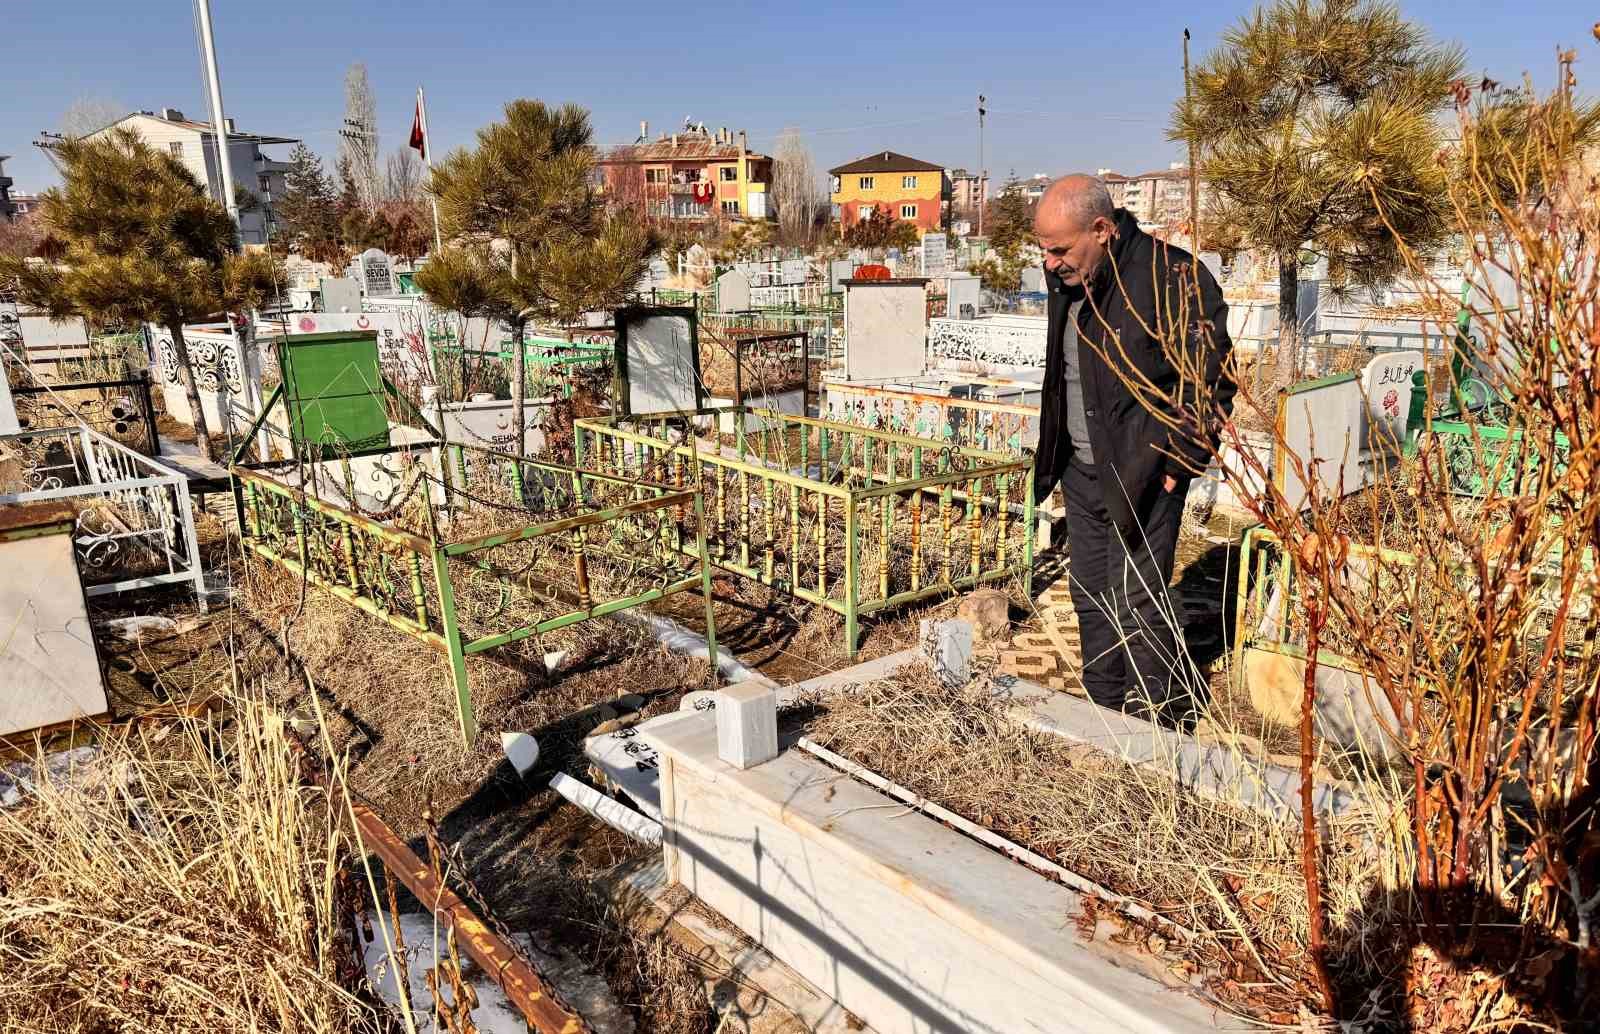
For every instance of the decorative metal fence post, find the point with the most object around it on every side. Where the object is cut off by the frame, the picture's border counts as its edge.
(465, 717)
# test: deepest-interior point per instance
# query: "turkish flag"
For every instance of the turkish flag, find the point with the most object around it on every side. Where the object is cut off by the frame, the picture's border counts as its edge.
(419, 140)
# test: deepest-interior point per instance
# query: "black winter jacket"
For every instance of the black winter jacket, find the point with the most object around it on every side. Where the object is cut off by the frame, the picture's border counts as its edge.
(1142, 292)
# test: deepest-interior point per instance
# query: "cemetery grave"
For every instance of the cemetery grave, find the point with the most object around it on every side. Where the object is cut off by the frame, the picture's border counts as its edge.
(847, 518)
(993, 416)
(133, 519)
(464, 548)
(917, 833)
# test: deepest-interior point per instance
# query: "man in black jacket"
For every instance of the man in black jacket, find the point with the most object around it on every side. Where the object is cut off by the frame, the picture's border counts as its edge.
(1124, 307)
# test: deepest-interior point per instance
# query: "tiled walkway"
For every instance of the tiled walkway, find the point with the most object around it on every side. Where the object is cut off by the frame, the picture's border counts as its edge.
(1046, 650)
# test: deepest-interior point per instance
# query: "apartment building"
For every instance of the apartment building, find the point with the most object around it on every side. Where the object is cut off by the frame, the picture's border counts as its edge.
(903, 187)
(255, 174)
(695, 173)
(968, 190)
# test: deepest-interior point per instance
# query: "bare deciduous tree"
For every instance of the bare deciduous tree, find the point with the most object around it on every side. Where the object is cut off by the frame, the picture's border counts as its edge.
(794, 187)
(88, 114)
(22, 236)
(625, 189)
(402, 176)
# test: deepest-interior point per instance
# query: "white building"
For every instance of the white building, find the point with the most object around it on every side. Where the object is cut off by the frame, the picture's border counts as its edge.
(1034, 186)
(195, 145)
(8, 208)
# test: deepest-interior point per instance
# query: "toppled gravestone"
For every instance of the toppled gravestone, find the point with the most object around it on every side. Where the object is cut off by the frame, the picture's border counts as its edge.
(988, 611)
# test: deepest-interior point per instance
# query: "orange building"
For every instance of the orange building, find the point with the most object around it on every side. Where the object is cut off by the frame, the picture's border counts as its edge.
(902, 187)
(692, 174)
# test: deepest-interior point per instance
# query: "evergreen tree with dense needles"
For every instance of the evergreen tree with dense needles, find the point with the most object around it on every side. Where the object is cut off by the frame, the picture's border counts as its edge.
(527, 236)
(308, 210)
(1317, 125)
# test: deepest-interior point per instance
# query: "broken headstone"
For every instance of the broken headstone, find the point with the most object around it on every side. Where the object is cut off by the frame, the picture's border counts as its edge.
(988, 611)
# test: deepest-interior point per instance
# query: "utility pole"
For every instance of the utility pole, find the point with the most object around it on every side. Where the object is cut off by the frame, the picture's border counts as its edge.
(983, 175)
(219, 122)
(1194, 173)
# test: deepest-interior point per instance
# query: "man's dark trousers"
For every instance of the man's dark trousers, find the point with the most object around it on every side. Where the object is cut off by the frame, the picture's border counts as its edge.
(1129, 624)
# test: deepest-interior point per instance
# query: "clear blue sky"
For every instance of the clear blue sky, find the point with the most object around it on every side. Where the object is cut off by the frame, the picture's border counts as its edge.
(1070, 85)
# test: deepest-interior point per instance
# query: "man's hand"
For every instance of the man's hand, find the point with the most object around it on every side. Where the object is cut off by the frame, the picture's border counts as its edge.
(1169, 484)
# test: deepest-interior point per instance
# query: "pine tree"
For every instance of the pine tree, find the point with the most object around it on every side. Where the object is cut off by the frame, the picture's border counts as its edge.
(308, 210)
(878, 231)
(140, 240)
(529, 237)
(1009, 221)
(1315, 123)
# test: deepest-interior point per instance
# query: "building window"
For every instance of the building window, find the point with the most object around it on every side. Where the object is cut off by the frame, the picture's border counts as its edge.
(866, 183)
(728, 174)
(908, 211)
(264, 183)
(655, 176)
(908, 182)
(730, 208)
(833, 184)
(176, 147)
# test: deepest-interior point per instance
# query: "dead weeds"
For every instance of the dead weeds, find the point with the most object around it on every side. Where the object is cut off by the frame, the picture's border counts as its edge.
(1230, 874)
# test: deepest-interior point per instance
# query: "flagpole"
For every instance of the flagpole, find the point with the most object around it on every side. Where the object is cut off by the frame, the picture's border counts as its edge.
(427, 156)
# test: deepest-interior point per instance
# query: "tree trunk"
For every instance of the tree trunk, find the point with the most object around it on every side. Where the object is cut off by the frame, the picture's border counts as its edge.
(202, 434)
(519, 379)
(1288, 314)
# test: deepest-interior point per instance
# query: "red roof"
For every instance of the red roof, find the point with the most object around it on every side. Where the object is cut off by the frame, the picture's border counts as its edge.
(688, 147)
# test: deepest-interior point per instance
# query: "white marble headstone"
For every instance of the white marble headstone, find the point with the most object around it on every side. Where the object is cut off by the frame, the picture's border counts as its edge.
(1321, 435)
(1386, 383)
(733, 291)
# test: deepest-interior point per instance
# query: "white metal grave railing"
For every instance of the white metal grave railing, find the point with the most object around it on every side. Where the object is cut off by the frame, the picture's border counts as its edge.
(787, 296)
(131, 508)
(1008, 340)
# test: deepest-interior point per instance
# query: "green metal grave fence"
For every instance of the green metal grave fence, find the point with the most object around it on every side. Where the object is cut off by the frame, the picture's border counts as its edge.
(550, 362)
(849, 518)
(499, 550)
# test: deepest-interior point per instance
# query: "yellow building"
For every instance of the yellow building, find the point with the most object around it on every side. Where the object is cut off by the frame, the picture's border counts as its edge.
(889, 184)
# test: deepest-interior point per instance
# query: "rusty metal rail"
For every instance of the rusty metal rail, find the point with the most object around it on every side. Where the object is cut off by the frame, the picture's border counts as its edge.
(540, 1004)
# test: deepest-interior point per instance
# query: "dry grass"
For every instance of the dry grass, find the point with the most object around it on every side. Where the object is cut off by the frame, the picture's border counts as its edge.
(1230, 874)
(189, 882)
(624, 937)
(395, 708)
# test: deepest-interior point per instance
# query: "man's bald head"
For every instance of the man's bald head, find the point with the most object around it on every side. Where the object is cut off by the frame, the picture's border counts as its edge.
(1073, 203)
(1075, 222)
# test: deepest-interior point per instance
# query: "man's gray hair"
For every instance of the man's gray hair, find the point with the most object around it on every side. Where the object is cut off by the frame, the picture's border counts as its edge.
(1088, 199)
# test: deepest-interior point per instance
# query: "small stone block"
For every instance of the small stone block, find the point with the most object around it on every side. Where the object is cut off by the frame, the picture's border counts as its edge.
(948, 647)
(747, 724)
